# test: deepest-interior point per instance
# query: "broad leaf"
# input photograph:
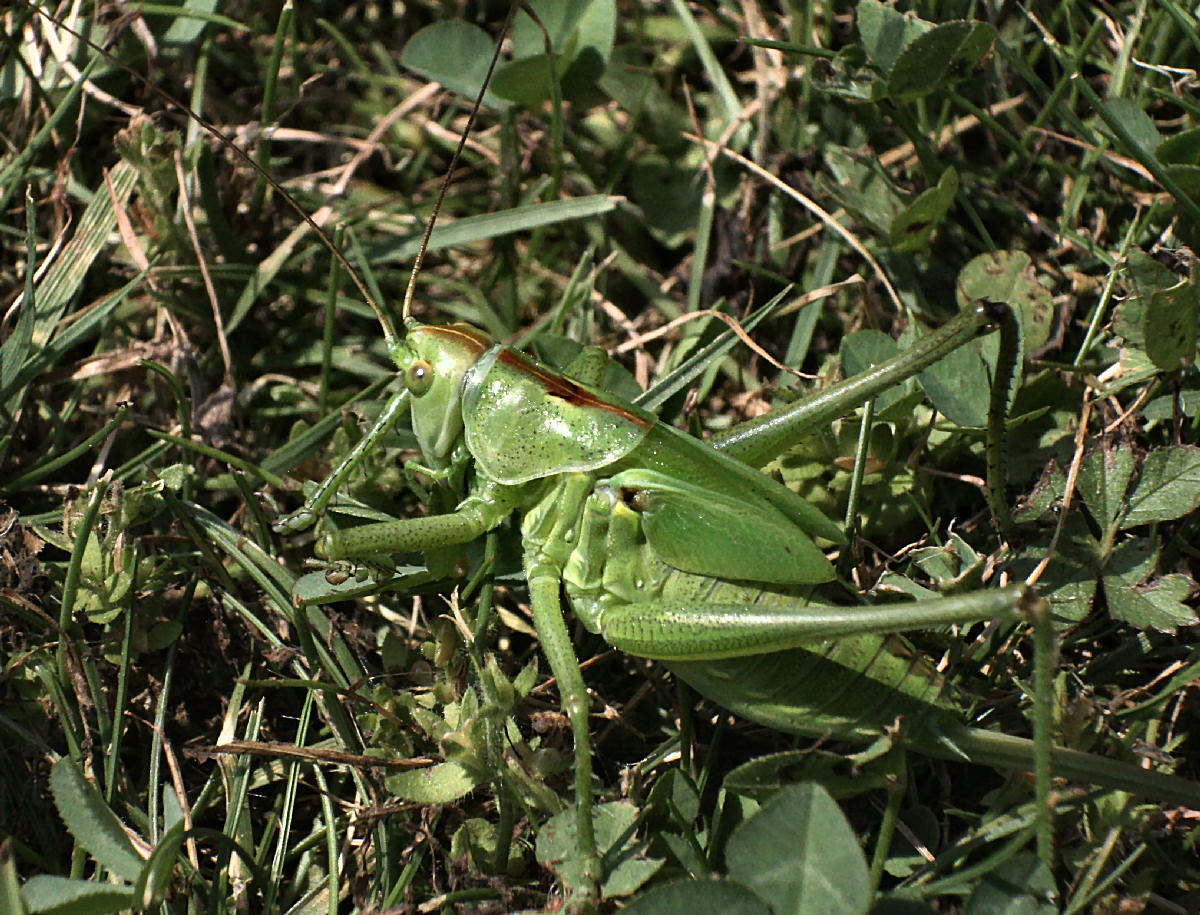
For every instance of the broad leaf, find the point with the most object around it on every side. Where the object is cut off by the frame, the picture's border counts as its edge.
(1181, 149)
(1170, 321)
(1103, 481)
(688, 897)
(91, 822)
(1168, 488)
(1139, 125)
(1151, 605)
(558, 848)
(443, 783)
(913, 228)
(1019, 886)
(63, 896)
(921, 67)
(959, 387)
(885, 32)
(454, 53)
(1009, 277)
(800, 855)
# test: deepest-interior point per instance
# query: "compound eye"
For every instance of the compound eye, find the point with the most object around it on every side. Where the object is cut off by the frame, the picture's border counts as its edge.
(419, 377)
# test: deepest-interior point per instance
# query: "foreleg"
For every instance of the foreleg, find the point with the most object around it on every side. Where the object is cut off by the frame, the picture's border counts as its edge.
(307, 515)
(477, 515)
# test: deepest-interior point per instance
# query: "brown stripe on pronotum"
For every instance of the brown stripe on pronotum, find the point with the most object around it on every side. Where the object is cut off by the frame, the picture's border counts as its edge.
(564, 389)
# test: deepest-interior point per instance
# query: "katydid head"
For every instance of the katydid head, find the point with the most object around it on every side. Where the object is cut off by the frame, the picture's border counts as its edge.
(433, 360)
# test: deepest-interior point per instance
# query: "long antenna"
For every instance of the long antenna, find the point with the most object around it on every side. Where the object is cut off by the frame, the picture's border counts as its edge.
(163, 96)
(385, 321)
(406, 310)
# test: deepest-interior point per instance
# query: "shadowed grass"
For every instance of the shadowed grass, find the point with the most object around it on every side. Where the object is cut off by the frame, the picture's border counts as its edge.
(167, 385)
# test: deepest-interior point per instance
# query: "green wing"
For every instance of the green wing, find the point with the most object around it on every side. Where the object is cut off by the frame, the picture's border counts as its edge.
(701, 530)
(682, 457)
